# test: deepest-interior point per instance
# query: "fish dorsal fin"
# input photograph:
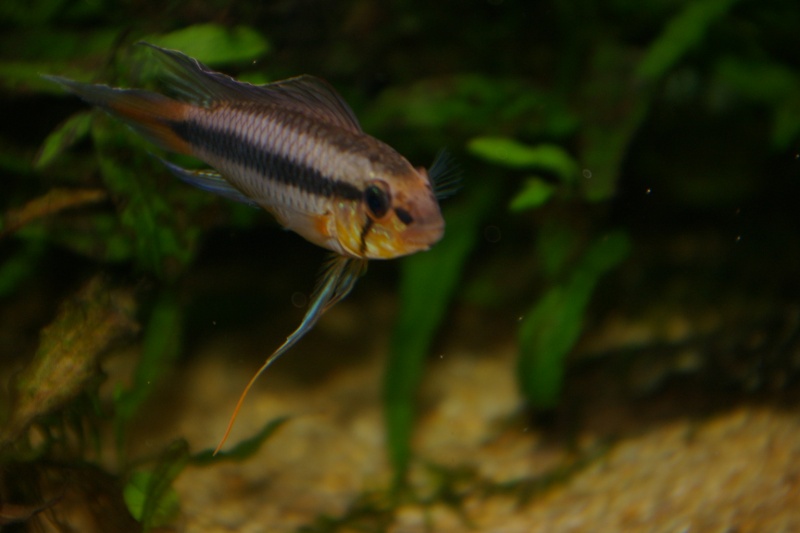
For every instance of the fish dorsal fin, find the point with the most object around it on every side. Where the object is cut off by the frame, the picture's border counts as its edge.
(315, 96)
(305, 94)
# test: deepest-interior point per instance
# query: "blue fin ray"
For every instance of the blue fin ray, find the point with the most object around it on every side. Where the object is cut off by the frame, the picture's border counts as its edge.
(339, 276)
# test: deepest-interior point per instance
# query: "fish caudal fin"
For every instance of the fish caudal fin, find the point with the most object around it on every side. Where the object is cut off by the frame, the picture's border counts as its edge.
(150, 114)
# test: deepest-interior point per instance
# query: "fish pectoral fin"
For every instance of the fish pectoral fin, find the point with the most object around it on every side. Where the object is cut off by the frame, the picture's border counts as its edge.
(444, 175)
(208, 180)
(338, 278)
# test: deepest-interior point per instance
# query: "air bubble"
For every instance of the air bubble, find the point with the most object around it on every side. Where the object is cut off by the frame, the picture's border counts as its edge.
(492, 234)
(299, 299)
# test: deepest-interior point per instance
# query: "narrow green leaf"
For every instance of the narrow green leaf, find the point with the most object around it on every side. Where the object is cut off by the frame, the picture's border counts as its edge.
(683, 33)
(610, 119)
(427, 284)
(160, 348)
(553, 326)
(244, 449)
(149, 495)
(535, 193)
(514, 154)
(68, 133)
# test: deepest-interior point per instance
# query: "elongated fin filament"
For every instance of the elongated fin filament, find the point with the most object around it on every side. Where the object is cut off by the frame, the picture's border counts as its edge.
(338, 279)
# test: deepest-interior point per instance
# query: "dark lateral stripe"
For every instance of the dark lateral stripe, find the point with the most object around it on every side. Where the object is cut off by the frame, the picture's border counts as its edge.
(232, 146)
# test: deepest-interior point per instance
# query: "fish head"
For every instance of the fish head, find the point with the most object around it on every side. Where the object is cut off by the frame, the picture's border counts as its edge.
(396, 215)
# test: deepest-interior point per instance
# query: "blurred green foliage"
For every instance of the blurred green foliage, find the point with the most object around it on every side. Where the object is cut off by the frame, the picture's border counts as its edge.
(543, 104)
(427, 284)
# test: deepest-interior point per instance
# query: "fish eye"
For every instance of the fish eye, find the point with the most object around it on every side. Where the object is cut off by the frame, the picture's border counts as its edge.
(376, 196)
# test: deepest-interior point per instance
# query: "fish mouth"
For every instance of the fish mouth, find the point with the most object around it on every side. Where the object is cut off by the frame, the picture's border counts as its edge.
(422, 238)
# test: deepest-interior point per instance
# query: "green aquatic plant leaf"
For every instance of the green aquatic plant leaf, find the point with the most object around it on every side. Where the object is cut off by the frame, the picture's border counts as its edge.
(214, 44)
(164, 239)
(68, 133)
(556, 244)
(683, 33)
(428, 282)
(149, 495)
(160, 348)
(440, 109)
(553, 325)
(611, 118)
(244, 449)
(514, 154)
(535, 193)
(769, 83)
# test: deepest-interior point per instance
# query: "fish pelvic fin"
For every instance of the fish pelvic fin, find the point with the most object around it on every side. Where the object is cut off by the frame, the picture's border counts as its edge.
(150, 114)
(338, 279)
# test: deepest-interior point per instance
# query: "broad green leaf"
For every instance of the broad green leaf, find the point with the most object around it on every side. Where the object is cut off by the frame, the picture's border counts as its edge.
(535, 193)
(214, 44)
(551, 328)
(149, 495)
(511, 153)
(683, 33)
(68, 133)
(135, 496)
(427, 283)
(244, 449)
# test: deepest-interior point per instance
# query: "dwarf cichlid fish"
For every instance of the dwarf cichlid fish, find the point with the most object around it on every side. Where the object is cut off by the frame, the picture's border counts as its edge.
(296, 149)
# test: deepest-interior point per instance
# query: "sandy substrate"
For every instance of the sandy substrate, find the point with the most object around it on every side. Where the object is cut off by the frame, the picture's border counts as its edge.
(737, 469)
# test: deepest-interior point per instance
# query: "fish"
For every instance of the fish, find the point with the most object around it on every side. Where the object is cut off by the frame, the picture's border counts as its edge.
(295, 149)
